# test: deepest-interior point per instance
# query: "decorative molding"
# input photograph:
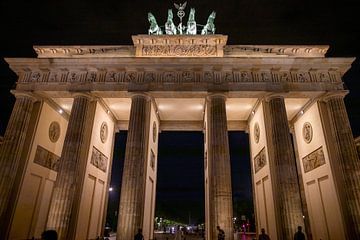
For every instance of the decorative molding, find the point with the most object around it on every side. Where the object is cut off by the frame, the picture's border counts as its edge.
(313, 160)
(179, 45)
(98, 159)
(84, 51)
(46, 159)
(260, 160)
(275, 50)
(171, 42)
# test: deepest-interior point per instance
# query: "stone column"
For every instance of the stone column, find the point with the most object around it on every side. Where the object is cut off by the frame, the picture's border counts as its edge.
(301, 187)
(282, 165)
(64, 205)
(220, 199)
(133, 180)
(11, 160)
(344, 160)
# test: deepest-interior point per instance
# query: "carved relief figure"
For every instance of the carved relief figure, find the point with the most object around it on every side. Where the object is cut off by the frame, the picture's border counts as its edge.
(170, 28)
(209, 28)
(191, 24)
(154, 27)
(54, 131)
(307, 132)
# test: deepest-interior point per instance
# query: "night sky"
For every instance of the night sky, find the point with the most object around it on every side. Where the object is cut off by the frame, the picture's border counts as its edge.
(26, 23)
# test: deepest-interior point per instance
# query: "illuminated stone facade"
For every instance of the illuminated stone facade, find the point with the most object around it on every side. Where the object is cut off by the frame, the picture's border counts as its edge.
(71, 100)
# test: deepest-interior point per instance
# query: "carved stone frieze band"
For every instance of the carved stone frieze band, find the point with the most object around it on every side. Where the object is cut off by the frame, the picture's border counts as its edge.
(179, 45)
(216, 77)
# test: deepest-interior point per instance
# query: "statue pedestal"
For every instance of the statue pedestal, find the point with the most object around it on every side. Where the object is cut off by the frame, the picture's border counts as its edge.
(179, 45)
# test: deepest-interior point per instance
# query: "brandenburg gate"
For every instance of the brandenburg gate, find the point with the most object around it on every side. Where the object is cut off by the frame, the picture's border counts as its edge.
(56, 156)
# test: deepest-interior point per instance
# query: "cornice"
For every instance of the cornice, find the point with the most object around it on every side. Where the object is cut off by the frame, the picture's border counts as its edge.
(164, 44)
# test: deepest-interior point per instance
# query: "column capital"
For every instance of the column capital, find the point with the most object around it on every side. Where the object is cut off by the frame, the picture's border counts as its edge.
(272, 96)
(333, 94)
(217, 95)
(140, 94)
(87, 95)
(25, 94)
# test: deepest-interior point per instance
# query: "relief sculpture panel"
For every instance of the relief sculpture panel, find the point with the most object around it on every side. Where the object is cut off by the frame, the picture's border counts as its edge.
(47, 159)
(313, 160)
(260, 160)
(99, 160)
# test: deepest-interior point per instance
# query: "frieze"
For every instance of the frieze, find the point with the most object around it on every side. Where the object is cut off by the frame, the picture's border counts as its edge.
(46, 159)
(178, 51)
(216, 77)
(260, 160)
(98, 159)
(179, 45)
(313, 160)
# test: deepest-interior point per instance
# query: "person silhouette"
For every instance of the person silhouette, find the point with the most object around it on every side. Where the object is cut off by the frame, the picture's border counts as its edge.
(139, 235)
(263, 235)
(179, 233)
(49, 235)
(299, 235)
(221, 233)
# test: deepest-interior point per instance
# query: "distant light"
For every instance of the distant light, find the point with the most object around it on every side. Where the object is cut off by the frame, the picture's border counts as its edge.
(301, 112)
(303, 216)
(61, 111)
(110, 189)
(108, 111)
(252, 112)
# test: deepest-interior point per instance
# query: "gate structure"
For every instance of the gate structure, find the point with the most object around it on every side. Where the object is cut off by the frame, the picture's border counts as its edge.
(56, 155)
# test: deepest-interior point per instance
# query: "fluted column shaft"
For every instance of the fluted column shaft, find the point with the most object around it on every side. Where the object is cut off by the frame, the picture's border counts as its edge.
(10, 158)
(133, 180)
(64, 203)
(220, 198)
(344, 160)
(282, 164)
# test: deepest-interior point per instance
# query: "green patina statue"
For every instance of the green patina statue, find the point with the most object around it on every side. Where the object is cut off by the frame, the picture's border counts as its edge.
(154, 27)
(170, 28)
(209, 28)
(191, 24)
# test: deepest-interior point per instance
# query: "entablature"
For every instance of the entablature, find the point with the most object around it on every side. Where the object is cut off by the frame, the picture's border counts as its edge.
(183, 74)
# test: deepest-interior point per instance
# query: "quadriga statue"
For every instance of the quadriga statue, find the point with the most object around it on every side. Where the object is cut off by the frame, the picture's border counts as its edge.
(170, 28)
(191, 24)
(209, 28)
(154, 27)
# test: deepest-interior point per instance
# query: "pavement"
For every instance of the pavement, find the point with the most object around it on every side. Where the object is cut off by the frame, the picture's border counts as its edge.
(162, 236)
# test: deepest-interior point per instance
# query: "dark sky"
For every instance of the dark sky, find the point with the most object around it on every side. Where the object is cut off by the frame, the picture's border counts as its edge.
(25, 23)
(180, 177)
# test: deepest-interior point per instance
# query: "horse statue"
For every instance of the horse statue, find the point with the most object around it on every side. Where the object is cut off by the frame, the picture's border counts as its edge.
(170, 28)
(154, 27)
(209, 28)
(191, 24)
